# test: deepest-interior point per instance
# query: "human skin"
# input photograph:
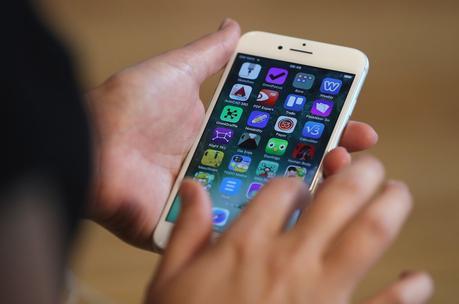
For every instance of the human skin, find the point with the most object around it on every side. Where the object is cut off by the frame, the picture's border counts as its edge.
(138, 156)
(145, 119)
(352, 220)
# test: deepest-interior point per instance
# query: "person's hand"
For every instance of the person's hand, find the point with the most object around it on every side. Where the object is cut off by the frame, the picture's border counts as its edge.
(146, 118)
(351, 221)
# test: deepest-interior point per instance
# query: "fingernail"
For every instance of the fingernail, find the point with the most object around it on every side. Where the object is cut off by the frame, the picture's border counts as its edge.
(225, 23)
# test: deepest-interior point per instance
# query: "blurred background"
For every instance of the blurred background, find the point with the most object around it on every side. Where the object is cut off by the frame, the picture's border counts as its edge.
(410, 97)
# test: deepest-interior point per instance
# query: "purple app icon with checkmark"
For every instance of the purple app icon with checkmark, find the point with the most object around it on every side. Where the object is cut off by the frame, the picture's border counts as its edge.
(276, 75)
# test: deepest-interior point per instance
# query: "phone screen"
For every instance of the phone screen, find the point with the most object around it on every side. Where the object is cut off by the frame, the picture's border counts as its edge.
(272, 118)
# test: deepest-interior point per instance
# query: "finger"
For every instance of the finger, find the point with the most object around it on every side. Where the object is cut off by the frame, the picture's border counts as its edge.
(364, 240)
(191, 232)
(209, 54)
(358, 136)
(336, 160)
(338, 199)
(269, 211)
(415, 288)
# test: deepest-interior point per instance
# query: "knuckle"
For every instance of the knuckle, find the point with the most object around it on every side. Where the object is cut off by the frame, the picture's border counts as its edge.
(372, 167)
(118, 87)
(291, 261)
(378, 227)
(279, 185)
(243, 246)
(278, 265)
(117, 81)
(373, 162)
(352, 185)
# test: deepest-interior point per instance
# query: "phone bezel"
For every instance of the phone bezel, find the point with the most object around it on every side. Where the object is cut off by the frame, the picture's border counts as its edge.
(294, 50)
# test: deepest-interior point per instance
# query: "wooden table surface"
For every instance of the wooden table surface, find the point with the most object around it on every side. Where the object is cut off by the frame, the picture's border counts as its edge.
(411, 97)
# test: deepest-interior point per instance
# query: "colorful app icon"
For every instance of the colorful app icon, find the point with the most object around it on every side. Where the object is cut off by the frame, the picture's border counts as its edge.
(220, 216)
(267, 97)
(222, 136)
(285, 124)
(322, 107)
(276, 75)
(240, 92)
(230, 186)
(249, 70)
(313, 129)
(294, 102)
(276, 146)
(204, 178)
(248, 141)
(212, 158)
(231, 114)
(258, 119)
(304, 152)
(253, 189)
(330, 86)
(267, 169)
(303, 81)
(295, 171)
(239, 163)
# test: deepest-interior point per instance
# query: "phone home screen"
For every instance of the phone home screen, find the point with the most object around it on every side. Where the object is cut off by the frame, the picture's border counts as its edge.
(272, 118)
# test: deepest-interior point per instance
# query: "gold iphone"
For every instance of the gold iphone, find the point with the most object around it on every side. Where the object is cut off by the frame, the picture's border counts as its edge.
(280, 106)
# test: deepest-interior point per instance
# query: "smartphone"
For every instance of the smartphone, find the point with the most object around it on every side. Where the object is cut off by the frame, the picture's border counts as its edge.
(280, 106)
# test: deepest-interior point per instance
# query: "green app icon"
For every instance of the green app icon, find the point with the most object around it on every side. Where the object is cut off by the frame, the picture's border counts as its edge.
(276, 146)
(231, 114)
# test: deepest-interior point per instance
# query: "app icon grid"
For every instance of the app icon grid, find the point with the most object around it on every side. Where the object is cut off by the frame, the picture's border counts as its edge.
(254, 125)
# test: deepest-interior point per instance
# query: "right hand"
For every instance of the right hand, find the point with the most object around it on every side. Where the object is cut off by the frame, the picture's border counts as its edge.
(344, 232)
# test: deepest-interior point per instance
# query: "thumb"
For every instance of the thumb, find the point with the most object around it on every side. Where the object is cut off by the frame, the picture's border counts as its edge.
(191, 232)
(207, 55)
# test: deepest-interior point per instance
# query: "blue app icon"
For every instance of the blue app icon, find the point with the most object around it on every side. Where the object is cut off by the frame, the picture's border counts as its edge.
(239, 163)
(230, 186)
(219, 216)
(330, 86)
(294, 102)
(313, 129)
(258, 119)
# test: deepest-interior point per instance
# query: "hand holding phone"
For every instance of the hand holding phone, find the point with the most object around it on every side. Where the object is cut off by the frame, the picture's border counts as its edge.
(140, 146)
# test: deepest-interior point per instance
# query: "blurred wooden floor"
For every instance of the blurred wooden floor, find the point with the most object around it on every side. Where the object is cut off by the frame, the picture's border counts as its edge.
(410, 97)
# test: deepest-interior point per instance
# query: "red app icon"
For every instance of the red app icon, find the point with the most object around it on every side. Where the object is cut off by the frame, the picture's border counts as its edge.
(304, 152)
(267, 97)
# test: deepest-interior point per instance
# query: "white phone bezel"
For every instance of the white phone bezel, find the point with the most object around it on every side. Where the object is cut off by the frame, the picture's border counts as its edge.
(294, 50)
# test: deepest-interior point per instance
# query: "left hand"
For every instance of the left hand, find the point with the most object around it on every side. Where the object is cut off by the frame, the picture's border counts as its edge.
(146, 118)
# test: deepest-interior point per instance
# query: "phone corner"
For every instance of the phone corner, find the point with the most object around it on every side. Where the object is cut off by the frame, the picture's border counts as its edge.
(157, 243)
(364, 59)
(253, 34)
